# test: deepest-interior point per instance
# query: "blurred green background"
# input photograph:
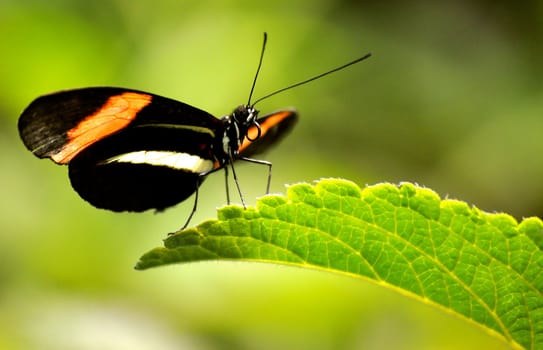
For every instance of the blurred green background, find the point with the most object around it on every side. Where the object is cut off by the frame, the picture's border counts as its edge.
(452, 99)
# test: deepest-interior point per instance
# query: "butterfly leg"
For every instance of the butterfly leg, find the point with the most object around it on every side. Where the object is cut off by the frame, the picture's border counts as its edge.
(226, 185)
(263, 162)
(195, 205)
(237, 182)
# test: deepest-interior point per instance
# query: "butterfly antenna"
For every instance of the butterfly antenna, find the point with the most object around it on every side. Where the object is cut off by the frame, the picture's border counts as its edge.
(258, 69)
(313, 78)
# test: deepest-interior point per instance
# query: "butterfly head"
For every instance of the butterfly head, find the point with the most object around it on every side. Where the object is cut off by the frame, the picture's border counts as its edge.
(237, 127)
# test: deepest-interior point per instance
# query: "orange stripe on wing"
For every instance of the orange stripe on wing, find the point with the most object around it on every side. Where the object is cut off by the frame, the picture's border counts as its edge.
(265, 126)
(114, 115)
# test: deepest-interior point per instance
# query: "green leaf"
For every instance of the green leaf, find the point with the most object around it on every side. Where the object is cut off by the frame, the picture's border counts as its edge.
(484, 267)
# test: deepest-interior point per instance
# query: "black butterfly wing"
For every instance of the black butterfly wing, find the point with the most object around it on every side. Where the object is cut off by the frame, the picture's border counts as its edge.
(60, 125)
(141, 168)
(127, 150)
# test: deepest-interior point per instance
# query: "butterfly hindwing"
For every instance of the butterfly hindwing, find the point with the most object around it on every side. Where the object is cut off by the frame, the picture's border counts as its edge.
(152, 167)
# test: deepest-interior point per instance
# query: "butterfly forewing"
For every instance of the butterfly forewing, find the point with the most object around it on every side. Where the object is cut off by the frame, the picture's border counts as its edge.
(273, 128)
(60, 125)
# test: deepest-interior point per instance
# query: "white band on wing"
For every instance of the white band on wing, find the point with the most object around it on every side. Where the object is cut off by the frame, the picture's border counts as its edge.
(175, 160)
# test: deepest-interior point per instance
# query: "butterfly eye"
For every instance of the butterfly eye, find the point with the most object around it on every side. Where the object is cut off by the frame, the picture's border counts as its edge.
(251, 115)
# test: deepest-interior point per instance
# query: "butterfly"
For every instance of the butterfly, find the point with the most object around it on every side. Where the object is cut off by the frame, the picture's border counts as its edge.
(129, 150)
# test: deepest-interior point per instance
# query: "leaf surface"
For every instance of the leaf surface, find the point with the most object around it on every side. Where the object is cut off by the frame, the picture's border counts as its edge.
(485, 267)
